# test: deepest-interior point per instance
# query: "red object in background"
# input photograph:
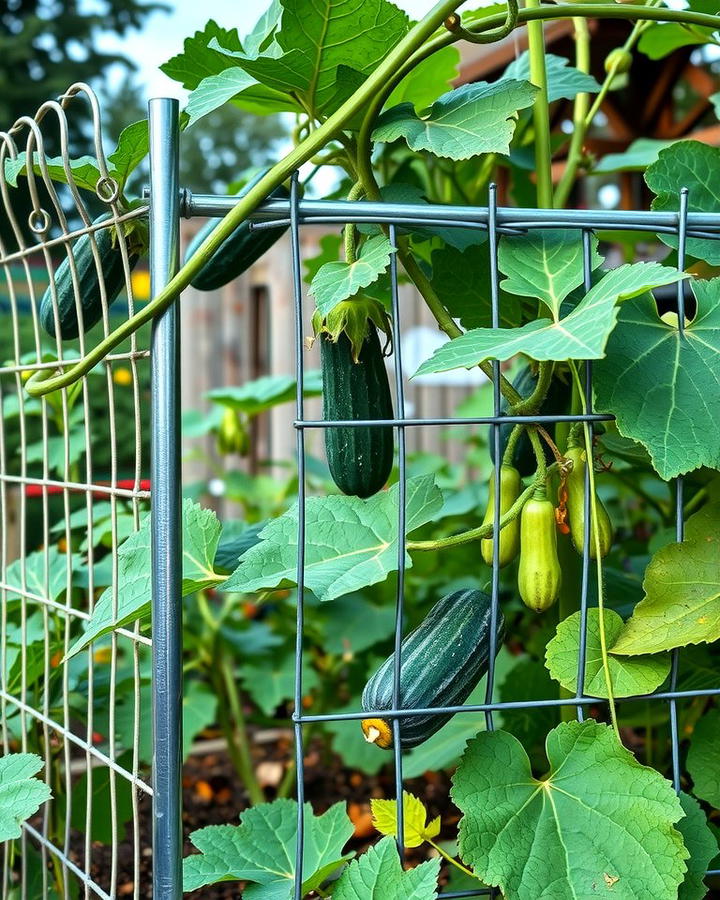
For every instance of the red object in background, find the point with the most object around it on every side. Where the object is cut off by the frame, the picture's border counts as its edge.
(128, 484)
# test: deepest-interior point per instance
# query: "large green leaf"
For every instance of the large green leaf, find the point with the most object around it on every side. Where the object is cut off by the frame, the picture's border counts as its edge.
(546, 264)
(580, 335)
(350, 543)
(598, 820)
(336, 281)
(323, 51)
(198, 59)
(661, 386)
(700, 843)
(694, 166)
(703, 760)
(682, 598)
(638, 675)
(471, 120)
(21, 794)
(261, 849)
(201, 533)
(563, 80)
(378, 875)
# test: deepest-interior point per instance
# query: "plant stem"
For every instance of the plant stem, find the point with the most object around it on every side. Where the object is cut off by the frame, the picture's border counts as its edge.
(483, 531)
(534, 401)
(595, 532)
(539, 454)
(515, 435)
(580, 109)
(236, 734)
(450, 859)
(541, 117)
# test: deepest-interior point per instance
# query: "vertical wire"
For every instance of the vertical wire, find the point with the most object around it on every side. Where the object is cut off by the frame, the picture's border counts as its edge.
(401, 537)
(682, 244)
(679, 493)
(495, 429)
(300, 444)
(587, 505)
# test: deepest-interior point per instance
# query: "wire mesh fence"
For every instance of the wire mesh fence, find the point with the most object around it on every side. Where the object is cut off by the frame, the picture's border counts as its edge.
(495, 222)
(74, 485)
(75, 477)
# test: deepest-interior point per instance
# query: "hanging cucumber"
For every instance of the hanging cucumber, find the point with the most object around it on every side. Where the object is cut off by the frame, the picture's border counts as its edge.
(355, 387)
(442, 661)
(510, 487)
(556, 401)
(360, 459)
(576, 508)
(237, 252)
(88, 280)
(539, 573)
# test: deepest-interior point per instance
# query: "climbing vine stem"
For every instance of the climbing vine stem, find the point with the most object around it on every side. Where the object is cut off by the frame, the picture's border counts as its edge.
(595, 536)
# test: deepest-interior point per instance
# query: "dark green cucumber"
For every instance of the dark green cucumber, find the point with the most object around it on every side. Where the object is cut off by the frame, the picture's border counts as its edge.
(236, 253)
(556, 401)
(360, 459)
(88, 283)
(442, 661)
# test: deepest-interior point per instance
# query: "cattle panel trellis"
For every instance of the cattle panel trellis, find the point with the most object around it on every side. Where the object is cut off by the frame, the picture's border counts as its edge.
(74, 469)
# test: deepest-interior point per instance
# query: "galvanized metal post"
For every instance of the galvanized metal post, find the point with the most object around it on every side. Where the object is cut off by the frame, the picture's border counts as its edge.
(166, 527)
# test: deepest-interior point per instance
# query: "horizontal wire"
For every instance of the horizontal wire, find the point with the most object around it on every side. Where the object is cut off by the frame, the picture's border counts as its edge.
(70, 610)
(66, 861)
(78, 741)
(78, 487)
(481, 420)
(72, 235)
(509, 704)
(57, 363)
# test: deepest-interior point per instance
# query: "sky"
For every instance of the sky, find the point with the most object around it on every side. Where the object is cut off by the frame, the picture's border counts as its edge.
(164, 33)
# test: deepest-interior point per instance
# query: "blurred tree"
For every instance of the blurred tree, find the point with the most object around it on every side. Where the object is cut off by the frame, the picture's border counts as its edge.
(46, 45)
(215, 151)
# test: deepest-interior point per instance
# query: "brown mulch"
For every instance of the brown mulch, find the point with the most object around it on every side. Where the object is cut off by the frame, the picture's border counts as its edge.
(213, 795)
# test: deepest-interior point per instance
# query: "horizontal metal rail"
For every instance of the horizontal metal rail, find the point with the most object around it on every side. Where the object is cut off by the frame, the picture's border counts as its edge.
(322, 211)
(500, 705)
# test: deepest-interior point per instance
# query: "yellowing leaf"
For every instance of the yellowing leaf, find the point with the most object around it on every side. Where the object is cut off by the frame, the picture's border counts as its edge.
(682, 601)
(416, 828)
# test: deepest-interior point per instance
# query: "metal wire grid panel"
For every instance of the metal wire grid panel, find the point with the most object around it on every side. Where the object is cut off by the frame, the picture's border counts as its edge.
(495, 222)
(74, 484)
(40, 598)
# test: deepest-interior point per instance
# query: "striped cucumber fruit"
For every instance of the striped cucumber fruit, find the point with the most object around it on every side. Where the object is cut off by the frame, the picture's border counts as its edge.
(88, 283)
(442, 661)
(237, 252)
